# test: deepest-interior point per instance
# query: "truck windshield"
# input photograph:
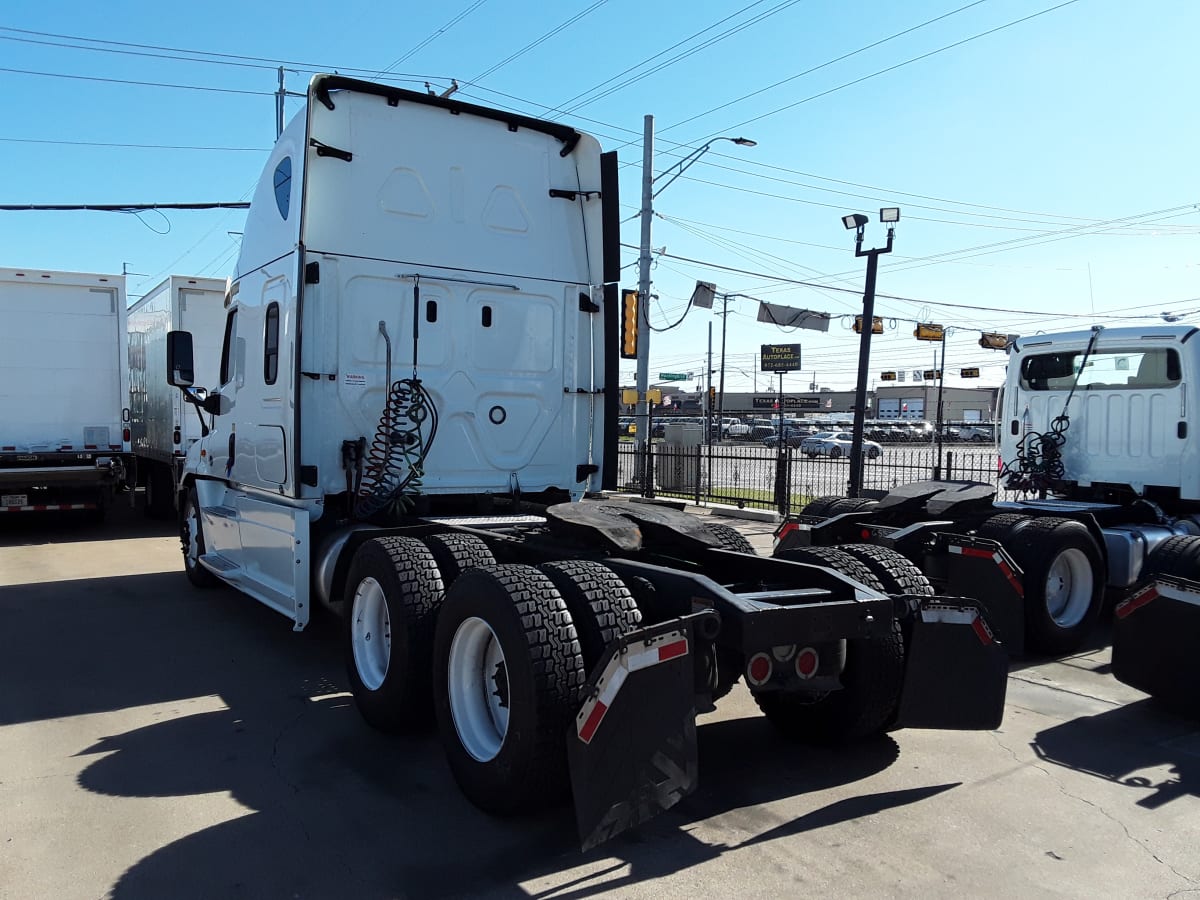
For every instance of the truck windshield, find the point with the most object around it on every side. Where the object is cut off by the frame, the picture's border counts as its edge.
(1156, 367)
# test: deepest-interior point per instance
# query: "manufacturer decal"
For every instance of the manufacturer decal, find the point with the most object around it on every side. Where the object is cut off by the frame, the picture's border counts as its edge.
(354, 379)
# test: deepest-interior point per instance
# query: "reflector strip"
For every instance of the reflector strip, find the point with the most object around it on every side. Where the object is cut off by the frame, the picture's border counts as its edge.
(47, 507)
(954, 616)
(637, 656)
(1005, 568)
(1136, 602)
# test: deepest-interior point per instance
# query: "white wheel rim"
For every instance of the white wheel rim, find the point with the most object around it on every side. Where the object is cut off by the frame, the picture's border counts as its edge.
(1069, 588)
(371, 633)
(193, 527)
(477, 679)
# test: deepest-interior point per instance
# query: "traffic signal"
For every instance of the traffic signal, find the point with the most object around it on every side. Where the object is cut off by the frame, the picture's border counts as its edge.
(629, 324)
(712, 399)
(990, 340)
(969, 373)
(876, 325)
(929, 332)
(932, 374)
(887, 376)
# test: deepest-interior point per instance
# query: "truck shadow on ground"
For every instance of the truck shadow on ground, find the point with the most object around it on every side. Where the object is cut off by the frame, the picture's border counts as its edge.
(1140, 745)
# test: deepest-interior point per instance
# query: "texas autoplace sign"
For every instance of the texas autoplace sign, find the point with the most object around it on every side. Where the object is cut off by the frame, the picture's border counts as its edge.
(779, 358)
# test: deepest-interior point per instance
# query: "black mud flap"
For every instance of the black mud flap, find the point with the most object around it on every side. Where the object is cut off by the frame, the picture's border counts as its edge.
(1154, 647)
(956, 672)
(632, 750)
(982, 570)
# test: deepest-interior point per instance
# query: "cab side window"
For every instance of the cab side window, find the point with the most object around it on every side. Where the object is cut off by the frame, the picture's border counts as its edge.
(228, 347)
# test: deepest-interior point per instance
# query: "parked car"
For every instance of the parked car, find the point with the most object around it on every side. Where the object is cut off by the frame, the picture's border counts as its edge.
(978, 434)
(836, 444)
(793, 439)
(762, 433)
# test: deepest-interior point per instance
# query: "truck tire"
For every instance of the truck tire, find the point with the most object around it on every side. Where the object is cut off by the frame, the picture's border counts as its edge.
(393, 591)
(729, 538)
(160, 488)
(848, 505)
(820, 506)
(871, 681)
(1002, 525)
(509, 681)
(455, 553)
(896, 573)
(601, 607)
(1178, 555)
(191, 536)
(1064, 581)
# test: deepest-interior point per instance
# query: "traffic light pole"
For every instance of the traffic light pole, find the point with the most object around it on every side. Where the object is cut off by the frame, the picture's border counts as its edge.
(643, 333)
(864, 359)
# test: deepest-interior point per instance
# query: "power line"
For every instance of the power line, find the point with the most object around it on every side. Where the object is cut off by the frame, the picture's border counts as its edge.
(116, 207)
(538, 41)
(182, 87)
(13, 140)
(438, 32)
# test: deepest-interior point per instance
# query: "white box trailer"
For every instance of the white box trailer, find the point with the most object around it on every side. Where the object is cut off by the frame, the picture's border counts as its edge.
(162, 428)
(64, 389)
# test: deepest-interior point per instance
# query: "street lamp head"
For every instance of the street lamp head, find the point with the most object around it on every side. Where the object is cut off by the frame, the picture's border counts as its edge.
(744, 142)
(889, 214)
(854, 220)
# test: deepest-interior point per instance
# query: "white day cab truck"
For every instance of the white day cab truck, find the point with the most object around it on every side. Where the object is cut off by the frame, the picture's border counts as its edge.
(1100, 429)
(415, 410)
(162, 424)
(64, 392)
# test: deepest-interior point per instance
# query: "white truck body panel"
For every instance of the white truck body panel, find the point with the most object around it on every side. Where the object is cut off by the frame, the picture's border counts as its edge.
(158, 412)
(443, 229)
(1130, 419)
(64, 381)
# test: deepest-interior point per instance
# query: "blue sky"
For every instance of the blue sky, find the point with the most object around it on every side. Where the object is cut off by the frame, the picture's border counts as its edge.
(1045, 170)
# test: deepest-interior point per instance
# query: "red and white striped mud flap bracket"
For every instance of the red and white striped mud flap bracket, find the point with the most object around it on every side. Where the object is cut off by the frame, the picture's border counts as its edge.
(632, 746)
(956, 671)
(981, 569)
(1156, 641)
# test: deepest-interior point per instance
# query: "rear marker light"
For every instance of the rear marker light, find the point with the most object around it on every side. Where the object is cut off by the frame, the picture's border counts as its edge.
(758, 670)
(125, 435)
(807, 662)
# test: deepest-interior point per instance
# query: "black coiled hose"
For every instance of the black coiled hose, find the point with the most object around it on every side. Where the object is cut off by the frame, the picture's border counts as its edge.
(1038, 466)
(396, 457)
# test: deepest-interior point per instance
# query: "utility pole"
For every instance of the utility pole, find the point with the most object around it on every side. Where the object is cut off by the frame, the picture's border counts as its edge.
(864, 351)
(643, 332)
(279, 98)
(721, 388)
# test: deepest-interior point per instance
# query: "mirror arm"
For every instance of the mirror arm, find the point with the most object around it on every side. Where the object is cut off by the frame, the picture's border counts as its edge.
(190, 397)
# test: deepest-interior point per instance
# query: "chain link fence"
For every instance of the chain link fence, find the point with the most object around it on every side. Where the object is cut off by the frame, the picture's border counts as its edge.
(785, 479)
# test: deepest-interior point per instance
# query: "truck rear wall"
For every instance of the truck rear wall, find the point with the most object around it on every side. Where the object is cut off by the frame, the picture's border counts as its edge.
(63, 372)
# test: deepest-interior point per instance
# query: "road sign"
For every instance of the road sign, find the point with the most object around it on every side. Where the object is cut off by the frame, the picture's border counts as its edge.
(674, 376)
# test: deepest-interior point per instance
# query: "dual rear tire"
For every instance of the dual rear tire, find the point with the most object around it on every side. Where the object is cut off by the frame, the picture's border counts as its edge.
(498, 654)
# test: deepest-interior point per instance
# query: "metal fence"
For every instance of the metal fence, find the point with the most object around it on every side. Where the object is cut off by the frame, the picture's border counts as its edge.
(752, 475)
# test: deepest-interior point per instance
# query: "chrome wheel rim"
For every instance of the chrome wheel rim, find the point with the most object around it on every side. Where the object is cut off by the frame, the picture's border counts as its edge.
(192, 546)
(371, 633)
(477, 679)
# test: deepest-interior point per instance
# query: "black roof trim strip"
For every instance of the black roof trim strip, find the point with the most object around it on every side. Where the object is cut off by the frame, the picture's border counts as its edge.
(1187, 337)
(323, 85)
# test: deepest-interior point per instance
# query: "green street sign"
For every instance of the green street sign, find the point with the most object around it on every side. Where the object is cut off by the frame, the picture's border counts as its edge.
(673, 376)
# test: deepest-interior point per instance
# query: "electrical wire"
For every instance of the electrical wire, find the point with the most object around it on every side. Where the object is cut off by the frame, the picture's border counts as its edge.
(433, 36)
(538, 41)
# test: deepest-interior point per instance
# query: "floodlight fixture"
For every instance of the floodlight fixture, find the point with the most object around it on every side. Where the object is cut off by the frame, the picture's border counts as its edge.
(854, 220)
(744, 142)
(889, 214)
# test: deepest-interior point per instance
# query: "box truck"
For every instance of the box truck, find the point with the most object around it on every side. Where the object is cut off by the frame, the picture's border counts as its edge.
(162, 425)
(64, 391)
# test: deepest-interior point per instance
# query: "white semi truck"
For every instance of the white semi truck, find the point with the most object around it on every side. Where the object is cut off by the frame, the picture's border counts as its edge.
(64, 391)
(162, 425)
(415, 409)
(1099, 428)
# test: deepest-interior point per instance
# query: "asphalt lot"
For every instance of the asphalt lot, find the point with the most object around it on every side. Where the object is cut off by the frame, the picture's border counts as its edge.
(161, 741)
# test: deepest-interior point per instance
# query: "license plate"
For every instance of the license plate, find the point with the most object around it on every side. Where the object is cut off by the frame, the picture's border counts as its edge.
(14, 500)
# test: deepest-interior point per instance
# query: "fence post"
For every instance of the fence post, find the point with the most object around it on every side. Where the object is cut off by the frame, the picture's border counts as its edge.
(648, 487)
(697, 478)
(949, 465)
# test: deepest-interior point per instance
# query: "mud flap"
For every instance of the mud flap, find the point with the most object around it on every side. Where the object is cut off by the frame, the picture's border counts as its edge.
(632, 750)
(1154, 642)
(982, 570)
(956, 672)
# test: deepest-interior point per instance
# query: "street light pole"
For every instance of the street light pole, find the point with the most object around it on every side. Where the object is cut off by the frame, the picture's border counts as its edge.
(644, 260)
(859, 221)
(642, 417)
